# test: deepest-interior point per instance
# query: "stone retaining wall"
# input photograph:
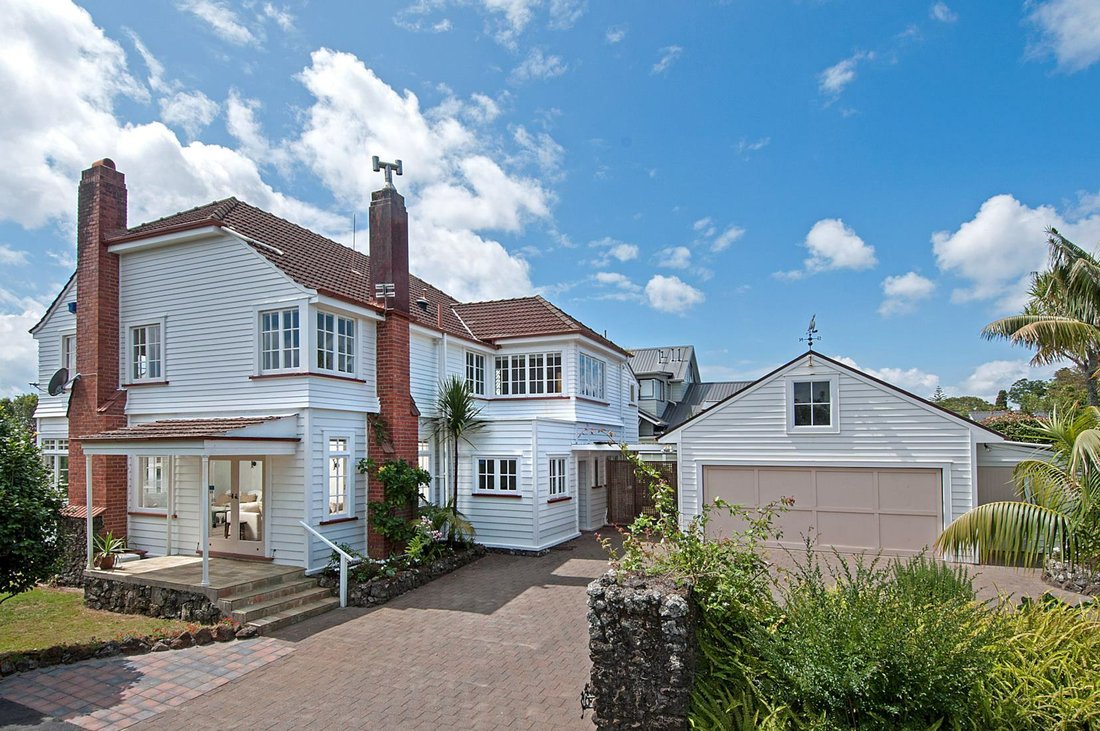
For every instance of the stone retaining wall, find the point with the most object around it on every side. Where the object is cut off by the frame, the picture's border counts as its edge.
(643, 649)
(1066, 576)
(381, 589)
(74, 549)
(152, 601)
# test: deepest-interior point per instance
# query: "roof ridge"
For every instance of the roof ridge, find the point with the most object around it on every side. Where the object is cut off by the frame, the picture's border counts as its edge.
(561, 314)
(216, 202)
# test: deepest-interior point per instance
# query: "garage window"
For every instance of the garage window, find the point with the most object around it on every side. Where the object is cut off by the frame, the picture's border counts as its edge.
(811, 405)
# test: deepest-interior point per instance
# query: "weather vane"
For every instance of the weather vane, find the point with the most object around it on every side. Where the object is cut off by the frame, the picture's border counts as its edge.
(811, 333)
(389, 167)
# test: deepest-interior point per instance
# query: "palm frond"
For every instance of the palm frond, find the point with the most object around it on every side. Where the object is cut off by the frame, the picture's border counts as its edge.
(1012, 530)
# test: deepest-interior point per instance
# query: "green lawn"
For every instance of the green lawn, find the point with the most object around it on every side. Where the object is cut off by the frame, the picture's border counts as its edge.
(46, 617)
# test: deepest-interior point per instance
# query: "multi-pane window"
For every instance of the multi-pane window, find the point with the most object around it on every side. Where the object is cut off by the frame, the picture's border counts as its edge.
(339, 460)
(55, 453)
(497, 474)
(279, 338)
(68, 354)
(653, 388)
(533, 374)
(335, 343)
(146, 353)
(151, 483)
(813, 403)
(591, 377)
(475, 373)
(558, 485)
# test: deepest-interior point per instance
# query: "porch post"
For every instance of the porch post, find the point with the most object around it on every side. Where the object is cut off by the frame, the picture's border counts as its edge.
(205, 517)
(89, 520)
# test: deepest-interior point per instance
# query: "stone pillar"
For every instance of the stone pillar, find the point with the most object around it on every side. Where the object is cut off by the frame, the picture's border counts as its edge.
(643, 649)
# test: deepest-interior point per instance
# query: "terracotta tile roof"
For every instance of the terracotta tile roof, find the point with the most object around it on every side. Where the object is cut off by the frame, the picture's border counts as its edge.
(181, 429)
(339, 271)
(81, 511)
(523, 317)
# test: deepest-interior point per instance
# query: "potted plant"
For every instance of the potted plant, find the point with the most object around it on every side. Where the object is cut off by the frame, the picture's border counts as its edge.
(106, 548)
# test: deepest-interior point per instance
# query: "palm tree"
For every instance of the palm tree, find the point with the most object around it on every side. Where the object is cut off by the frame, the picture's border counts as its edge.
(1061, 320)
(1058, 501)
(457, 418)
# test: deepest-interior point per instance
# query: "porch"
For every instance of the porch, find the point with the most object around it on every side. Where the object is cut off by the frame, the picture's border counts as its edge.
(184, 573)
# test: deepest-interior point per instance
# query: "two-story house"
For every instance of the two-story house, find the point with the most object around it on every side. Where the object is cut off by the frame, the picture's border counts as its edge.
(228, 370)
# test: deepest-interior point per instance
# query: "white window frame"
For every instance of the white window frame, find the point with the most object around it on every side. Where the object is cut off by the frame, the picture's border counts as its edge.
(53, 450)
(139, 470)
(656, 390)
(475, 372)
(492, 486)
(68, 355)
(347, 454)
(303, 338)
(162, 342)
(586, 388)
(834, 404)
(341, 348)
(557, 479)
(529, 363)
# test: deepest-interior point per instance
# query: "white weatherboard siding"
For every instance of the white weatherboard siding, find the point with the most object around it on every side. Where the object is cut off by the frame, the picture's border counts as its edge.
(424, 372)
(557, 520)
(61, 322)
(499, 521)
(325, 423)
(209, 294)
(878, 427)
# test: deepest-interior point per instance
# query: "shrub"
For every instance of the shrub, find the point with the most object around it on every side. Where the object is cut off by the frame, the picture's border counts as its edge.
(1017, 427)
(401, 483)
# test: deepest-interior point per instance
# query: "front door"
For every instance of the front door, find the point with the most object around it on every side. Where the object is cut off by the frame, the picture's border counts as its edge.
(237, 506)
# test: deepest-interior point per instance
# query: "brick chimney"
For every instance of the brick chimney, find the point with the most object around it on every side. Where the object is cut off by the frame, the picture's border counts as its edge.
(389, 264)
(96, 403)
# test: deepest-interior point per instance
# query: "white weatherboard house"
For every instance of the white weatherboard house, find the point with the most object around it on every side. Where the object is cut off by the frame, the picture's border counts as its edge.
(229, 361)
(869, 465)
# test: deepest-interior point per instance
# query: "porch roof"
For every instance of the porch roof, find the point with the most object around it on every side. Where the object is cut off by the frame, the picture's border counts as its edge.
(226, 435)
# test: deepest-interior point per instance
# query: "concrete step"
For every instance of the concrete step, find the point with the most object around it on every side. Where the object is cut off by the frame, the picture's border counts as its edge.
(256, 596)
(288, 617)
(279, 604)
(275, 579)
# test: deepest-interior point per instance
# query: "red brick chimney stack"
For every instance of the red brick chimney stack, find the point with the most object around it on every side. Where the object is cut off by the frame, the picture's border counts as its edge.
(389, 264)
(96, 403)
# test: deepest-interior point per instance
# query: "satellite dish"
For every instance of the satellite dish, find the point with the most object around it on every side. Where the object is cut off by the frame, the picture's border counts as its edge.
(58, 382)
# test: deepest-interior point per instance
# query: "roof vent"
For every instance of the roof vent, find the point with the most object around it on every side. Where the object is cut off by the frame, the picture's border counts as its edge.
(422, 303)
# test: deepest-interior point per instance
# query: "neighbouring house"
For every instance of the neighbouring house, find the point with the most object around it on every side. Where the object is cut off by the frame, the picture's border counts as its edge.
(229, 369)
(869, 465)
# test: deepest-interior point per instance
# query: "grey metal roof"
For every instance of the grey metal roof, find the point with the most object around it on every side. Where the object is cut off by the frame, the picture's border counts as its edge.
(675, 360)
(700, 397)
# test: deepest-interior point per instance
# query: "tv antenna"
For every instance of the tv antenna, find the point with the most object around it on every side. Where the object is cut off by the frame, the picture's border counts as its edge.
(811, 333)
(389, 167)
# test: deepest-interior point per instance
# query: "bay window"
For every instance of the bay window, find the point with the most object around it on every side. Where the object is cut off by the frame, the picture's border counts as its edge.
(591, 377)
(475, 373)
(279, 340)
(335, 343)
(534, 374)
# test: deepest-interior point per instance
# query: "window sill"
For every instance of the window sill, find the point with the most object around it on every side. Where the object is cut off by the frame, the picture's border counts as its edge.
(305, 374)
(597, 487)
(343, 519)
(591, 400)
(149, 514)
(139, 384)
(507, 494)
(524, 397)
(559, 499)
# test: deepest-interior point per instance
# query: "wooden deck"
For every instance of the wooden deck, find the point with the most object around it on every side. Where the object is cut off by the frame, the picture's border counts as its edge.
(227, 576)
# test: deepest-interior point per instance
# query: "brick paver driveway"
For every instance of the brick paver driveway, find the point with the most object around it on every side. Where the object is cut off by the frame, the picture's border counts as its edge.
(502, 643)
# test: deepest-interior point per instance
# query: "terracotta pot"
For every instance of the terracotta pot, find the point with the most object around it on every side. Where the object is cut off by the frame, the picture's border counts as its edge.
(107, 561)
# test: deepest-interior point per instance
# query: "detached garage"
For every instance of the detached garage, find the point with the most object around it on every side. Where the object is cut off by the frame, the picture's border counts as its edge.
(870, 466)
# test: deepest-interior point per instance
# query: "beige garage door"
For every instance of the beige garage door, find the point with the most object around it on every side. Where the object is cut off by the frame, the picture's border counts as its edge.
(890, 510)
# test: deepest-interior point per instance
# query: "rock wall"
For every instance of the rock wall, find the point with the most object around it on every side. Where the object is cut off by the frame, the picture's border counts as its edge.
(643, 649)
(74, 549)
(381, 589)
(1067, 576)
(152, 601)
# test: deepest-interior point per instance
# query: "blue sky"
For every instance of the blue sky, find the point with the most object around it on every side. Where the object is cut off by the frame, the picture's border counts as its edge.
(711, 173)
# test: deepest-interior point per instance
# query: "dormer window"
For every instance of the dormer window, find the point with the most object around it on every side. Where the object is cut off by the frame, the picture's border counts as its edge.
(812, 405)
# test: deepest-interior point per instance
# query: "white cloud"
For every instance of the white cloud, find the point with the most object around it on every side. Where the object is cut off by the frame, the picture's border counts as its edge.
(998, 249)
(833, 245)
(914, 380)
(902, 293)
(12, 256)
(746, 146)
(621, 287)
(513, 17)
(674, 257)
(541, 149)
(941, 12)
(613, 249)
(727, 237)
(191, 111)
(703, 224)
(538, 65)
(282, 16)
(19, 356)
(671, 294)
(668, 56)
(616, 34)
(565, 13)
(483, 110)
(989, 378)
(222, 20)
(1068, 29)
(833, 80)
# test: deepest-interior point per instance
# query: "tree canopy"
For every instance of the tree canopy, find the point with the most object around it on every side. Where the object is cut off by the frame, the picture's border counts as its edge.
(21, 408)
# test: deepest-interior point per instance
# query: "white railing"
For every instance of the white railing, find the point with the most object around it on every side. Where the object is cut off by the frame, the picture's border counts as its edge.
(346, 559)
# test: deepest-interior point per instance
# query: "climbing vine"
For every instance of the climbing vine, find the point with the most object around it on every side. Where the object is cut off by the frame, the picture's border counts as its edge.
(401, 484)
